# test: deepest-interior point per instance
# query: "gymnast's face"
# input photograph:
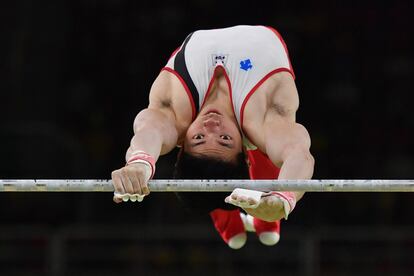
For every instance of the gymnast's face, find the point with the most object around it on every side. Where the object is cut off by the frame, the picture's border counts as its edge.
(215, 134)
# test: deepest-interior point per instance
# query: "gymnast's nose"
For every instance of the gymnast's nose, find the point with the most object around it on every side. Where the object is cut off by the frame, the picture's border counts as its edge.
(211, 124)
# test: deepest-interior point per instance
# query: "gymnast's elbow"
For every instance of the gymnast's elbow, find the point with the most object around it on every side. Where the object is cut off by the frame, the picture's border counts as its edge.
(300, 153)
(153, 119)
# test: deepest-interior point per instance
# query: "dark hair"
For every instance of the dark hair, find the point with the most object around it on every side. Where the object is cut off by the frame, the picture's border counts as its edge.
(205, 167)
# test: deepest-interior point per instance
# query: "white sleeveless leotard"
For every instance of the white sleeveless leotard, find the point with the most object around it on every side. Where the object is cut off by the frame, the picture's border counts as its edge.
(249, 55)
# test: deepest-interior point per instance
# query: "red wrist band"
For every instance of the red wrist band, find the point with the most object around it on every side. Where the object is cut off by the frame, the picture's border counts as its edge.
(141, 156)
(290, 198)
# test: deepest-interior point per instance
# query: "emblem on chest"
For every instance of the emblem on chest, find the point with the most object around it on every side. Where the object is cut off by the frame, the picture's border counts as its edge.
(219, 59)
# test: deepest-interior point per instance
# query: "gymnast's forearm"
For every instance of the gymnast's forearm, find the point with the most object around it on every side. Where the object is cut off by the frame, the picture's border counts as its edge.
(287, 146)
(154, 133)
(298, 163)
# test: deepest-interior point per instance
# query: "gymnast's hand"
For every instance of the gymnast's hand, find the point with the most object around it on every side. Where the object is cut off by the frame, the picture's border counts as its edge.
(130, 182)
(269, 206)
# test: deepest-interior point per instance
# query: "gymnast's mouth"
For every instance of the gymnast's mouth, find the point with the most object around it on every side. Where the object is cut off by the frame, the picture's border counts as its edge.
(212, 112)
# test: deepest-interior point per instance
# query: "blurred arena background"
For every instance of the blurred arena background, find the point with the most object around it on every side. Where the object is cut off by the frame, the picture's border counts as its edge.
(75, 73)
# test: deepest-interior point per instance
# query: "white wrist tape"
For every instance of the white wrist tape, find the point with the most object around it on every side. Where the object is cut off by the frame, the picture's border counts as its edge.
(252, 194)
(127, 196)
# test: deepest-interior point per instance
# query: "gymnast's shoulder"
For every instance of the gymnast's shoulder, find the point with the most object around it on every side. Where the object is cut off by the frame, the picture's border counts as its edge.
(168, 95)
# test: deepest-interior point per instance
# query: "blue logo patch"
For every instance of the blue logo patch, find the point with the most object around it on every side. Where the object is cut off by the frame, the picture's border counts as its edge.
(246, 64)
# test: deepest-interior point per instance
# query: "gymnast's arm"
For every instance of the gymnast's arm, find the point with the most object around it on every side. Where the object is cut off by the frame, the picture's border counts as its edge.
(156, 132)
(285, 142)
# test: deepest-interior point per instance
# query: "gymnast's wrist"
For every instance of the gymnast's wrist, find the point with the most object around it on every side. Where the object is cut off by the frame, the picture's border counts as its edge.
(289, 201)
(142, 157)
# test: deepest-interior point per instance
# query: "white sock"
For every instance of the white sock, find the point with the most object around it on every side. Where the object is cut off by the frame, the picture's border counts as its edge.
(269, 238)
(248, 222)
(237, 241)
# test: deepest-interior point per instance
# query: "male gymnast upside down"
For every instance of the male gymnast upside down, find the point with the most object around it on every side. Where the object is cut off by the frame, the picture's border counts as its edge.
(227, 98)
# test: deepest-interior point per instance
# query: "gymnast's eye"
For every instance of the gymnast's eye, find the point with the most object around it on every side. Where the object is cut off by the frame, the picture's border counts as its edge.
(198, 136)
(225, 137)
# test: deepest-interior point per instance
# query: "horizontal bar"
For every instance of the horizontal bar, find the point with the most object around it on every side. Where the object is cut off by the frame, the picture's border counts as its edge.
(179, 185)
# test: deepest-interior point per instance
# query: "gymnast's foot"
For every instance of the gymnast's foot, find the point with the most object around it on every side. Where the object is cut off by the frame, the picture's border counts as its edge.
(267, 232)
(230, 227)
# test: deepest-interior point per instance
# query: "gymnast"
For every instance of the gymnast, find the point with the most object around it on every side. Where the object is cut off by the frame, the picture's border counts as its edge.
(227, 98)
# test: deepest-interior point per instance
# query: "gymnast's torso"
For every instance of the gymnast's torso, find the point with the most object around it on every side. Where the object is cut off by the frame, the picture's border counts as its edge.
(249, 63)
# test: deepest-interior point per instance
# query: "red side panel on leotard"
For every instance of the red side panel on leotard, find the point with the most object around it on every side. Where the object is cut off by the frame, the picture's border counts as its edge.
(260, 166)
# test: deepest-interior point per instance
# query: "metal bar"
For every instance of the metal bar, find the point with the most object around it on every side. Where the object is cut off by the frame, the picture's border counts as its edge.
(179, 185)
